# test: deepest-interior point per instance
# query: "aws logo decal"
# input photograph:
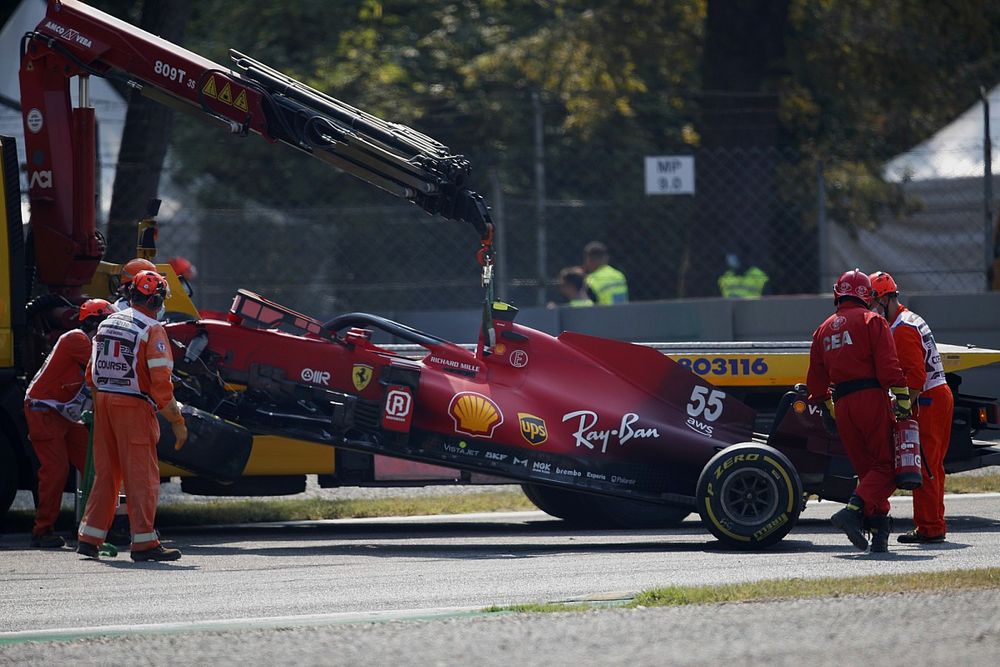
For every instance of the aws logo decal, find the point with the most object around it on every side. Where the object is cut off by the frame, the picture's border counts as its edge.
(474, 414)
(532, 428)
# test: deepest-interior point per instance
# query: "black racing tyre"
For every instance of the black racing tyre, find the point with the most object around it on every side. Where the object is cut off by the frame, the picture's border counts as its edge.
(570, 506)
(636, 514)
(8, 474)
(749, 496)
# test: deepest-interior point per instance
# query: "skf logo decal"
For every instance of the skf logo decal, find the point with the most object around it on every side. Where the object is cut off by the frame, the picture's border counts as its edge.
(315, 376)
(532, 428)
(474, 414)
(398, 408)
(361, 375)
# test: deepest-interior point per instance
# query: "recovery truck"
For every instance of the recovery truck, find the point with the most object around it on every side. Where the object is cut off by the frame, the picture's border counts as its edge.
(595, 430)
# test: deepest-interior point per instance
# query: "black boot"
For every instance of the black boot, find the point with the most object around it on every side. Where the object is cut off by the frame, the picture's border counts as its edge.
(851, 521)
(880, 526)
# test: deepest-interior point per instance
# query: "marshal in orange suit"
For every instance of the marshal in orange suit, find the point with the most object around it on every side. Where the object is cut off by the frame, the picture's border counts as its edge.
(933, 405)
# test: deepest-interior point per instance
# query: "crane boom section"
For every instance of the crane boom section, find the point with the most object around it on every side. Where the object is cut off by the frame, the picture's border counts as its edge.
(76, 40)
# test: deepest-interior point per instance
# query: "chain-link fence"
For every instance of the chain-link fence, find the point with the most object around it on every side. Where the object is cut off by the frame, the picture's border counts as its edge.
(802, 220)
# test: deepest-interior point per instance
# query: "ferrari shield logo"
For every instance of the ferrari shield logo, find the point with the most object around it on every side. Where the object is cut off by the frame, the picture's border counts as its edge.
(361, 375)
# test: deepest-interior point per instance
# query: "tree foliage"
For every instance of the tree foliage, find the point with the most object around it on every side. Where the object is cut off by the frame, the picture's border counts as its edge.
(854, 82)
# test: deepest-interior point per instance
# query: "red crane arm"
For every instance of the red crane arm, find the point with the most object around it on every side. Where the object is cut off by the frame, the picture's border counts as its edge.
(76, 40)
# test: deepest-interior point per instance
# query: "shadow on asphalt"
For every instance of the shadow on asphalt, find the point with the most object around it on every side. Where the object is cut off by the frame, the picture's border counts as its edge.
(216, 540)
(127, 563)
(891, 555)
(575, 541)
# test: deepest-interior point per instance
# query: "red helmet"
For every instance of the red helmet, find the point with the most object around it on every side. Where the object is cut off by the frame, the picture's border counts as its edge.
(149, 283)
(882, 284)
(95, 308)
(131, 269)
(183, 267)
(854, 283)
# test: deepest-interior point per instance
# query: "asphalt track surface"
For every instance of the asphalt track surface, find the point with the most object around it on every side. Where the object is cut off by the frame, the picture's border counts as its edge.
(392, 590)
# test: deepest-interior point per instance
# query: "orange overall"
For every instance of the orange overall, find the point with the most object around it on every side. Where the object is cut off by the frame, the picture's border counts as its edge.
(57, 440)
(921, 363)
(130, 368)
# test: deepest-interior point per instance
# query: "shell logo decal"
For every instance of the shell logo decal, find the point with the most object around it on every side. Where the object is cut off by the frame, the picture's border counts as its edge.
(474, 414)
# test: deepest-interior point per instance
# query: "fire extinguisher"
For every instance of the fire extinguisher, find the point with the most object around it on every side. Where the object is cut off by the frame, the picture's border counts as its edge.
(906, 443)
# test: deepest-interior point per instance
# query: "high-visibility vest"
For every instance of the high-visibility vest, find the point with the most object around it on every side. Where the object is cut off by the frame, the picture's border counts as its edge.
(749, 285)
(932, 358)
(609, 285)
(580, 303)
(115, 354)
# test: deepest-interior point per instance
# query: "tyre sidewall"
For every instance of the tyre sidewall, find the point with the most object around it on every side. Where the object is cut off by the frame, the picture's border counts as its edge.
(749, 461)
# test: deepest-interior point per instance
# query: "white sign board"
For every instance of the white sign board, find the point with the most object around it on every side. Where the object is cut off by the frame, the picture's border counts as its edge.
(670, 175)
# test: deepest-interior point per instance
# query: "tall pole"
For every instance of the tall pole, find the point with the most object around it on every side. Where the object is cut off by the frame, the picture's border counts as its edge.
(541, 233)
(987, 189)
(501, 279)
(822, 230)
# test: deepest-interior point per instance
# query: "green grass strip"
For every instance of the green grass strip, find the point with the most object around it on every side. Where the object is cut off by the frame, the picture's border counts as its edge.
(314, 509)
(785, 589)
(242, 510)
(782, 589)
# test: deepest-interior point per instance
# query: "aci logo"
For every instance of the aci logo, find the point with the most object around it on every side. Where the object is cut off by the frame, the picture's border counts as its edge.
(533, 428)
(474, 414)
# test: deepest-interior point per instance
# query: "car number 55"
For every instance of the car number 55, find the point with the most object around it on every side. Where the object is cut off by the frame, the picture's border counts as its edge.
(706, 402)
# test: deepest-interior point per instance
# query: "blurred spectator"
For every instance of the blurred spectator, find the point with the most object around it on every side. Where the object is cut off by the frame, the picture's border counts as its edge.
(607, 284)
(573, 288)
(739, 282)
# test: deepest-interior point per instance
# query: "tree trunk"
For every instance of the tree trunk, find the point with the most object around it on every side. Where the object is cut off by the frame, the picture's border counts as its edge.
(739, 128)
(145, 139)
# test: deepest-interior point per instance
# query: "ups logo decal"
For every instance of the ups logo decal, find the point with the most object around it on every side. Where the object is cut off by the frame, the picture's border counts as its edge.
(532, 428)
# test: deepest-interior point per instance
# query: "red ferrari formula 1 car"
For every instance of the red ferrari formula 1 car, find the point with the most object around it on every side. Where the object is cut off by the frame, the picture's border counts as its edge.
(580, 421)
(568, 416)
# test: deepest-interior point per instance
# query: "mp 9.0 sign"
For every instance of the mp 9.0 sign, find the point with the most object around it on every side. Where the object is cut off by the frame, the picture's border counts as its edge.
(670, 175)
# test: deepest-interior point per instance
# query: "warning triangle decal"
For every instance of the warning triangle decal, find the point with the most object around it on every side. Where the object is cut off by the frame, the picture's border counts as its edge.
(209, 87)
(226, 94)
(241, 101)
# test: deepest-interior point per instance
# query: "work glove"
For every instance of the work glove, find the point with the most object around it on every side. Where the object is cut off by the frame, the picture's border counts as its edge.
(902, 407)
(172, 412)
(829, 417)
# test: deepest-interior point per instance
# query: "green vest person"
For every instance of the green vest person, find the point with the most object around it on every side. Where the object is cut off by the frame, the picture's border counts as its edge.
(738, 284)
(606, 283)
